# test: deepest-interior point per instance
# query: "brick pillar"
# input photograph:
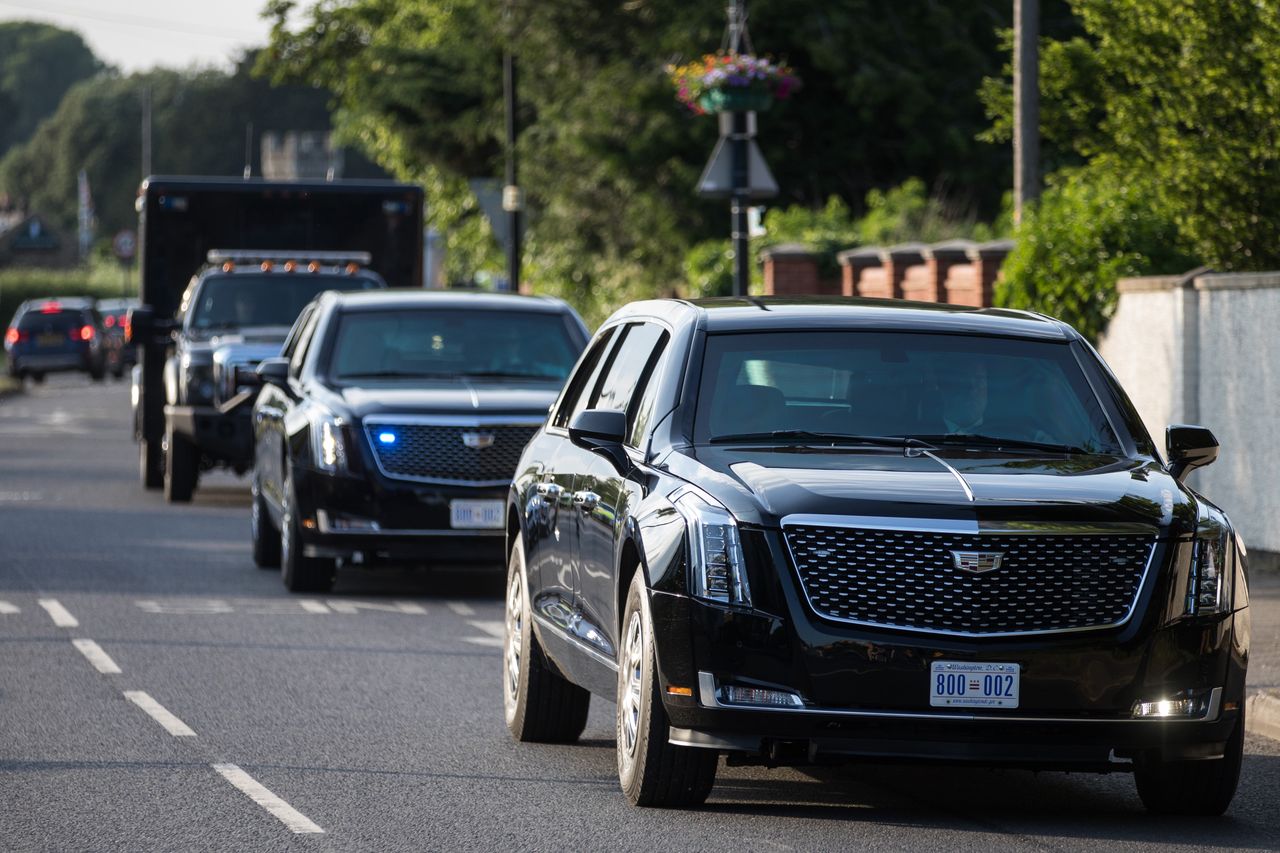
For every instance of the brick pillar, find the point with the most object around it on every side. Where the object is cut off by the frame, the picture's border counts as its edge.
(938, 260)
(790, 269)
(987, 259)
(853, 263)
(896, 260)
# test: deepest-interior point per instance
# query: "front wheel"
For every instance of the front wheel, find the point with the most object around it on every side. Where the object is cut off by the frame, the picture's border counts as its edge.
(539, 704)
(651, 770)
(299, 572)
(150, 464)
(1192, 787)
(181, 467)
(266, 541)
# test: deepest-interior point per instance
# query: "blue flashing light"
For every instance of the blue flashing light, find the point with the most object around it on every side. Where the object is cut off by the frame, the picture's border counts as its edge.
(387, 437)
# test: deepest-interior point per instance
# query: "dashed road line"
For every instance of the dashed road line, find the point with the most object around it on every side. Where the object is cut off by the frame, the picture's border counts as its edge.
(312, 606)
(497, 631)
(101, 661)
(6, 608)
(159, 713)
(61, 617)
(256, 791)
(462, 608)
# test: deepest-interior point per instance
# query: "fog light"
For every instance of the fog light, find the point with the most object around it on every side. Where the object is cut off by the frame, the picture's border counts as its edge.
(1187, 705)
(733, 694)
(338, 523)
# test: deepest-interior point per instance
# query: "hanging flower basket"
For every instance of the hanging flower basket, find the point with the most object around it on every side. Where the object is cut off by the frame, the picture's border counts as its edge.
(720, 83)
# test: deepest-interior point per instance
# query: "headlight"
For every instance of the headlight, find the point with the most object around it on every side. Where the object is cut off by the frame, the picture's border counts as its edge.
(1208, 593)
(198, 377)
(326, 440)
(717, 569)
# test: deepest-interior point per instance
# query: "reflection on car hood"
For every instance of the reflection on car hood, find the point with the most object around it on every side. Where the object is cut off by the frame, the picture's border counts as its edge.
(765, 484)
(450, 396)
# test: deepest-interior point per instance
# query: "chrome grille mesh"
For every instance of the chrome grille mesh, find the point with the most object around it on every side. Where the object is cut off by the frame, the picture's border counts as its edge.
(908, 579)
(438, 453)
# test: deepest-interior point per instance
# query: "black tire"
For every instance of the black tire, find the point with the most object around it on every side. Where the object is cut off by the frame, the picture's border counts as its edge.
(651, 770)
(539, 704)
(37, 378)
(1202, 788)
(299, 572)
(265, 537)
(97, 374)
(181, 467)
(150, 464)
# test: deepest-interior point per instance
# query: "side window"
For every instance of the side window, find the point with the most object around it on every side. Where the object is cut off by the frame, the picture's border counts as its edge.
(583, 380)
(291, 342)
(630, 366)
(648, 400)
(303, 344)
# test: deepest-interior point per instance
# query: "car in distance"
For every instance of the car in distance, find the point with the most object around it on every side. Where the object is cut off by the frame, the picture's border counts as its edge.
(56, 335)
(799, 531)
(390, 426)
(115, 313)
(234, 313)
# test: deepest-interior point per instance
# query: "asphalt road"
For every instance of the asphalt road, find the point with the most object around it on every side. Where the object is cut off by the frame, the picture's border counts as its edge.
(370, 719)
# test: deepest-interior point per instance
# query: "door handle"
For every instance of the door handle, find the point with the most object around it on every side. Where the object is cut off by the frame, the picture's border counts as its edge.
(586, 501)
(549, 490)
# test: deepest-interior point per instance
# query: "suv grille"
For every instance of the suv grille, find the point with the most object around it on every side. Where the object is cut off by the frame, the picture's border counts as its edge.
(465, 455)
(909, 579)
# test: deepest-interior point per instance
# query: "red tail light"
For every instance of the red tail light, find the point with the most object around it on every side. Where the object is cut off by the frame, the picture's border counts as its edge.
(13, 336)
(128, 329)
(50, 308)
(109, 321)
(86, 333)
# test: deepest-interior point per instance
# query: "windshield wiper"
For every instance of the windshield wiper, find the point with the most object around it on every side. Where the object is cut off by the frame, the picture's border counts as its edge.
(975, 440)
(823, 437)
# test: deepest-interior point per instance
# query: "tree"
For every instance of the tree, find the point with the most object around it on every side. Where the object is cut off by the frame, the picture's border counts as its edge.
(38, 64)
(608, 158)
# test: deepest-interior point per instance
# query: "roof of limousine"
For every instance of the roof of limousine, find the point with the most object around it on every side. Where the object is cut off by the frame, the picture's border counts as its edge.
(728, 314)
(410, 298)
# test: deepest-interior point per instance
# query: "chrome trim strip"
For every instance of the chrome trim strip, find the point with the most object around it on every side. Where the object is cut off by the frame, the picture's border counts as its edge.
(577, 643)
(964, 484)
(970, 526)
(384, 419)
(322, 524)
(974, 529)
(703, 677)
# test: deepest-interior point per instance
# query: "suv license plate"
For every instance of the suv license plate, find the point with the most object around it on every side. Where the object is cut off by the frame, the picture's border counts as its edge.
(476, 515)
(958, 684)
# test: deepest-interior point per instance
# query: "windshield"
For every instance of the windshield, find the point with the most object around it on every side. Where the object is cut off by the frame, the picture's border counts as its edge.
(429, 342)
(233, 301)
(939, 388)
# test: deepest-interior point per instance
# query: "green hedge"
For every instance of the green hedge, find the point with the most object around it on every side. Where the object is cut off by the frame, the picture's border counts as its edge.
(18, 284)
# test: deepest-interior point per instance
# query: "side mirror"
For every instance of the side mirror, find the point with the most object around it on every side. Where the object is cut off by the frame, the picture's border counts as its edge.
(602, 431)
(1189, 448)
(274, 371)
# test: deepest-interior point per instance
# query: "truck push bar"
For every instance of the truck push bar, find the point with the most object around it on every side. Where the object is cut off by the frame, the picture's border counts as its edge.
(249, 256)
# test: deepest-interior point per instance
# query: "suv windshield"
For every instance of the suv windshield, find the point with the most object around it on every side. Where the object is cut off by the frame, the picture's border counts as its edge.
(454, 342)
(945, 389)
(274, 299)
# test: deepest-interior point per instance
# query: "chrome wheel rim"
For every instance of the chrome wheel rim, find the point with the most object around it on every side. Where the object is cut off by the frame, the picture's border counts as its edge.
(286, 522)
(515, 635)
(633, 680)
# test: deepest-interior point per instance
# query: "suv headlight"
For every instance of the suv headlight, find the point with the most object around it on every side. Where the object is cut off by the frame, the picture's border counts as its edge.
(198, 377)
(328, 444)
(717, 569)
(1208, 591)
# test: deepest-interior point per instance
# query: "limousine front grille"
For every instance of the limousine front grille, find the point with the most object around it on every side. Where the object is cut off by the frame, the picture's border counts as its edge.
(450, 453)
(913, 579)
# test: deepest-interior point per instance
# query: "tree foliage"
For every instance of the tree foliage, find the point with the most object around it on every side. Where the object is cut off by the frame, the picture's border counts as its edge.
(38, 64)
(608, 159)
(198, 128)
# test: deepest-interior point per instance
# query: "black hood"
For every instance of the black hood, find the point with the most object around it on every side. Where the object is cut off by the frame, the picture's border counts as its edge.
(447, 396)
(762, 485)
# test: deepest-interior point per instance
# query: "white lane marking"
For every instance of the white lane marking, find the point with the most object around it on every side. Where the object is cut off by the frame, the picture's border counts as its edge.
(6, 608)
(20, 497)
(256, 791)
(352, 607)
(462, 608)
(495, 642)
(61, 617)
(101, 661)
(159, 713)
(313, 606)
(493, 629)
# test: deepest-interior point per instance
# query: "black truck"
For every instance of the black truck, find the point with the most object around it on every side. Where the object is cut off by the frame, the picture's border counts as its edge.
(196, 230)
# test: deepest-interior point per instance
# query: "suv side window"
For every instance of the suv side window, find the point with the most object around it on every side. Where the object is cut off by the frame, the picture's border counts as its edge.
(303, 344)
(583, 381)
(291, 342)
(630, 365)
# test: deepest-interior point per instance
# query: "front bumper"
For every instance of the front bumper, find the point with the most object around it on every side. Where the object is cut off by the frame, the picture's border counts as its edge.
(412, 520)
(50, 362)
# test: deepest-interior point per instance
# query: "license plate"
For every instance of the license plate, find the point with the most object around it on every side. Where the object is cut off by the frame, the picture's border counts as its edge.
(957, 684)
(50, 339)
(476, 515)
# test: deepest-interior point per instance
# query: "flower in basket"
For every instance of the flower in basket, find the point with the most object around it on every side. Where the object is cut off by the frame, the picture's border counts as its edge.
(723, 82)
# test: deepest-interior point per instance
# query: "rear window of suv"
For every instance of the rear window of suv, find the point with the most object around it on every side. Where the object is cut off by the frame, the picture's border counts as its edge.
(921, 385)
(57, 320)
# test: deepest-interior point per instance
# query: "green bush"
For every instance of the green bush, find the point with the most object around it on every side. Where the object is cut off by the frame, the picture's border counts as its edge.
(1091, 227)
(18, 284)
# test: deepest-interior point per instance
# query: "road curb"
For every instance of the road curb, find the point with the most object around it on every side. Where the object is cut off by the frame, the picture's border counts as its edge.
(1262, 714)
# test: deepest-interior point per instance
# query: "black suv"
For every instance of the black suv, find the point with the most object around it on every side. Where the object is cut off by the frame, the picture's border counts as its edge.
(803, 531)
(235, 313)
(56, 335)
(389, 429)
